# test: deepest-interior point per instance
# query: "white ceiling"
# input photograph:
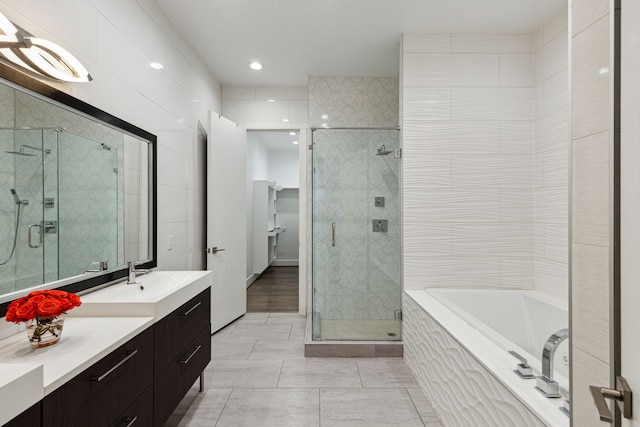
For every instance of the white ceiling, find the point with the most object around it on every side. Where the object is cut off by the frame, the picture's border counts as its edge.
(298, 38)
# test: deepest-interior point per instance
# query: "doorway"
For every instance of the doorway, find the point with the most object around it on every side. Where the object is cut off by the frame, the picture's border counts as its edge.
(273, 220)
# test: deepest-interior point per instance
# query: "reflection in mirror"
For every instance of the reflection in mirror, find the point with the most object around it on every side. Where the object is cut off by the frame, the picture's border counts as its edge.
(75, 195)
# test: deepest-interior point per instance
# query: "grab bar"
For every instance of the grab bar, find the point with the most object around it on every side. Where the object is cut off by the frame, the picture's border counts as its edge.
(333, 234)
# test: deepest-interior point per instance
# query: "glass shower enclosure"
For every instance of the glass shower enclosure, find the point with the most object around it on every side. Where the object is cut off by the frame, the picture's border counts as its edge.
(53, 186)
(356, 289)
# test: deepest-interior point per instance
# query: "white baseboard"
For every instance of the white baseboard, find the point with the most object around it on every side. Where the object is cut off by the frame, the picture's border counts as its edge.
(252, 279)
(285, 263)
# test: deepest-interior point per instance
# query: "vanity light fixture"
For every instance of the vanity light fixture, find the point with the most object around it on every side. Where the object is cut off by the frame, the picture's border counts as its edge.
(255, 65)
(156, 66)
(38, 56)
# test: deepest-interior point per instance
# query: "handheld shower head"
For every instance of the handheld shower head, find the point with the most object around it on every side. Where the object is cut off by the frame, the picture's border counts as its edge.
(15, 196)
(17, 199)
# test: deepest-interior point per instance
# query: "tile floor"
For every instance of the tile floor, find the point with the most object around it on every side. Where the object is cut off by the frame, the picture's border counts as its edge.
(259, 377)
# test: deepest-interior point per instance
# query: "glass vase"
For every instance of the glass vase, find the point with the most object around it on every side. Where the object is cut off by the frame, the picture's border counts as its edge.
(45, 332)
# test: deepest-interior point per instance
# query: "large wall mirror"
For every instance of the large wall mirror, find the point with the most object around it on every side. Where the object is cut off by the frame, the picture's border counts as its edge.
(77, 191)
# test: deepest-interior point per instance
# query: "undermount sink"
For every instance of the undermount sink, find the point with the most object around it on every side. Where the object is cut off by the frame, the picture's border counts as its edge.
(154, 294)
(20, 388)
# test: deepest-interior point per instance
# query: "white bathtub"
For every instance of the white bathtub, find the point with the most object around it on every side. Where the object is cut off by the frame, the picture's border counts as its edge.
(457, 342)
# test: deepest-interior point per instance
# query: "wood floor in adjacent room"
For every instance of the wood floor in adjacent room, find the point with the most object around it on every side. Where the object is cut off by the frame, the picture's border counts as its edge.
(275, 291)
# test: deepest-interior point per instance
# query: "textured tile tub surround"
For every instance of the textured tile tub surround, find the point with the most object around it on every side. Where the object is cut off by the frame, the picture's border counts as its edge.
(485, 140)
(462, 390)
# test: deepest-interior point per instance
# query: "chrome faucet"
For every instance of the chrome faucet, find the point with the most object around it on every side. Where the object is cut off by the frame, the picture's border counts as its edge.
(133, 272)
(545, 383)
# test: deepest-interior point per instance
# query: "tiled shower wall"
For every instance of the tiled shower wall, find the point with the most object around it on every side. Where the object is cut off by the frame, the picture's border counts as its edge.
(468, 160)
(485, 138)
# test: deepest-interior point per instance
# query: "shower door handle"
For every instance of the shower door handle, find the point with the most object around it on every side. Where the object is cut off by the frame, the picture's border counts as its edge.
(31, 245)
(333, 234)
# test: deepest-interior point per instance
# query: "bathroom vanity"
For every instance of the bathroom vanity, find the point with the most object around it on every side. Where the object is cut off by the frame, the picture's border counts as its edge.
(113, 367)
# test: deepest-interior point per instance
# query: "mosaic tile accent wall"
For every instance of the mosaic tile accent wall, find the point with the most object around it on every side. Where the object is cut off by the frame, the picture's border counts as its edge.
(359, 277)
(353, 101)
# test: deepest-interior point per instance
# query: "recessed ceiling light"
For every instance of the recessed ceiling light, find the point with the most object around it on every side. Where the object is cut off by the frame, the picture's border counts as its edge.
(324, 117)
(292, 133)
(295, 142)
(255, 65)
(156, 66)
(271, 100)
(285, 120)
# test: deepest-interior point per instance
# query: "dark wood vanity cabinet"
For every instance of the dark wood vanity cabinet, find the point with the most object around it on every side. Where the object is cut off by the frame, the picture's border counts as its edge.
(182, 351)
(97, 396)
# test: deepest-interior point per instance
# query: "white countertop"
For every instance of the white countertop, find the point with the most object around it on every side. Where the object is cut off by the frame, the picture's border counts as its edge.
(107, 319)
(20, 388)
(85, 340)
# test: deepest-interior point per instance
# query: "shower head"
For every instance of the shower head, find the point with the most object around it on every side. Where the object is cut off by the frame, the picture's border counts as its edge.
(15, 196)
(21, 152)
(382, 151)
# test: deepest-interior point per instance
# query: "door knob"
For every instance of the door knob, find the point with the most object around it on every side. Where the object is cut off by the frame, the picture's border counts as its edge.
(214, 250)
(621, 394)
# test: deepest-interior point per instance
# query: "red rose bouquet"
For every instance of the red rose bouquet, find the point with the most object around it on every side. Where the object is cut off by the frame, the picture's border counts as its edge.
(43, 311)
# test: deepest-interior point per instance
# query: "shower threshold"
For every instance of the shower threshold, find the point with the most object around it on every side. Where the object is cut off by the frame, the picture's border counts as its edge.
(368, 338)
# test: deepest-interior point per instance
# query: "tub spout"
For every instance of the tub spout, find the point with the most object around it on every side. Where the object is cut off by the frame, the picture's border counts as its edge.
(545, 384)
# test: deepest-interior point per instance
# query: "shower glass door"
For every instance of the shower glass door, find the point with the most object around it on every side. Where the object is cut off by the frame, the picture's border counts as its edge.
(25, 156)
(356, 235)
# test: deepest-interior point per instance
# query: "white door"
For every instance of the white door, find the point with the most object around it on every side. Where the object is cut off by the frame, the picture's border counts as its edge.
(630, 204)
(226, 220)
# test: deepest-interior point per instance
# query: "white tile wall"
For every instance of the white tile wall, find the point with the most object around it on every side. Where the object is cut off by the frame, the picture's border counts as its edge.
(551, 149)
(468, 164)
(250, 106)
(485, 138)
(116, 40)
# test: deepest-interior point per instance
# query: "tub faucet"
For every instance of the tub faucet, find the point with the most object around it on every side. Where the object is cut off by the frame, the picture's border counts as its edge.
(545, 383)
(133, 272)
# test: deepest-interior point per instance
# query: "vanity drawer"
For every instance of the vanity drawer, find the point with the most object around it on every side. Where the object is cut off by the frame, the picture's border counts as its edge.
(99, 394)
(174, 333)
(171, 386)
(139, 413)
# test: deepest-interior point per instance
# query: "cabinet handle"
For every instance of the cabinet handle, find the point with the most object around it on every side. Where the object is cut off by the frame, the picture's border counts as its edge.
(186, 313)
(130, 420)
(193, 353)
(130, 354)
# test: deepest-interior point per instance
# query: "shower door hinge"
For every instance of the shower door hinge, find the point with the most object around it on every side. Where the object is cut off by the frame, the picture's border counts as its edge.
(397, 153)
(397, 314)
